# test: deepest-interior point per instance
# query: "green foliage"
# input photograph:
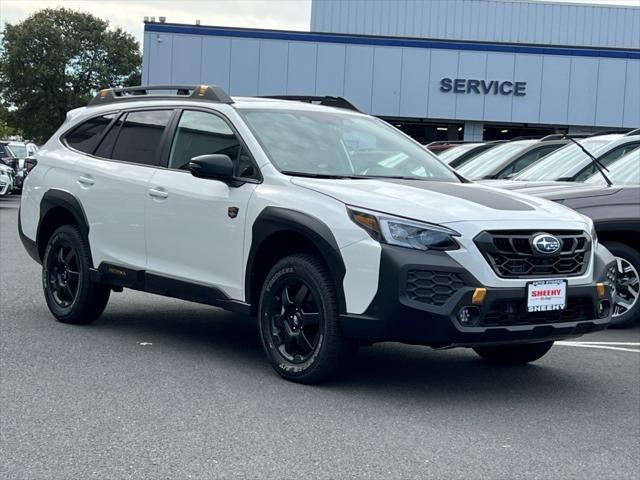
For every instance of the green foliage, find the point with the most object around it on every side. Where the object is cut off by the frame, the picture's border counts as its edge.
(5, 129)
(55, 60)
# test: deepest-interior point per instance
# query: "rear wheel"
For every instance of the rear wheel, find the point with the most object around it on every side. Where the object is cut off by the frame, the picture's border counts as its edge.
(299, 324)
(514, 354)
(68, 290)
(626, 299)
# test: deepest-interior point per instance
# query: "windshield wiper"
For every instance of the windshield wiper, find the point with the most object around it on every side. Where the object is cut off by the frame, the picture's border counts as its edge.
(321, 175)
(599, 166)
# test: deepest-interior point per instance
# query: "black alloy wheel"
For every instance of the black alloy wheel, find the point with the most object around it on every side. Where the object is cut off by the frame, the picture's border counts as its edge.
(63, 275)
(299, 321)
(295, 321)
(71, 295)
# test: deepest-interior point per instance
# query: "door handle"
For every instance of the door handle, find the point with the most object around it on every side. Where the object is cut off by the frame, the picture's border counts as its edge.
(158, 193)
(86, 180)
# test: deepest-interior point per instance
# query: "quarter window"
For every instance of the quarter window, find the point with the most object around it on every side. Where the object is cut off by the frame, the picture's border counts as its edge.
(201, 133)
(86, 136)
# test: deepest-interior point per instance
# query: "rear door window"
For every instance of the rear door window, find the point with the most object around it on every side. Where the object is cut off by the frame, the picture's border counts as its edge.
(85, 137)
(139, 137)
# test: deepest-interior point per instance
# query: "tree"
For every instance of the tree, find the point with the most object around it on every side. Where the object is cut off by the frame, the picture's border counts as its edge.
(55, 60)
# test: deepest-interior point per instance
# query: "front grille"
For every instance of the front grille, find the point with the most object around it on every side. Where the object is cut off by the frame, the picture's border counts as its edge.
(514, 312)
(432, 287)
(511, 254)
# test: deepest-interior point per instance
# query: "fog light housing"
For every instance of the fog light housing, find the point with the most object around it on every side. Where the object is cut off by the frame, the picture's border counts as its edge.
(469, 316)
(604, 308)
(479, 295)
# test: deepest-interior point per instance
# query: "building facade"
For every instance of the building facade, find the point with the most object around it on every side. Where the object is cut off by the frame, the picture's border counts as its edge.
(467, 69)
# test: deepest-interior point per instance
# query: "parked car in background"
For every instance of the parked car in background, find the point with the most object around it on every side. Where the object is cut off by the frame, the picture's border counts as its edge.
(443, 145)
(22, 151)
(615, 211)
(6, 180)
(460, 154)
(508, 159)
(571, 163)
(7, 157)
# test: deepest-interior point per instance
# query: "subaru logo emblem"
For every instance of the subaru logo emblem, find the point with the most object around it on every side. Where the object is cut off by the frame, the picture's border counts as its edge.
(545, 243)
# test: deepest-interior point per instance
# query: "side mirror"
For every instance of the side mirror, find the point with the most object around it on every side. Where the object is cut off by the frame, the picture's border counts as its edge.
(215, 166)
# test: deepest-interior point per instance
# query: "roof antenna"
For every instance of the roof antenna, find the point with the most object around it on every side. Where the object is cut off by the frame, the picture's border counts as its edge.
(599, 166)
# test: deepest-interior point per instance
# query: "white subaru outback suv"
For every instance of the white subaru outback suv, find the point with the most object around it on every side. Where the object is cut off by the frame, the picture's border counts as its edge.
(331, 226)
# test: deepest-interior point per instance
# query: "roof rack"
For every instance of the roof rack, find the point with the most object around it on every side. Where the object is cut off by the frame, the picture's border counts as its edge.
(452, 142)
(212, 93)
(610, 132)
(564, 136)
(338, 102)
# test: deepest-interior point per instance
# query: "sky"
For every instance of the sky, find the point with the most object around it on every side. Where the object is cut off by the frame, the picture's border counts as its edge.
(128, 14)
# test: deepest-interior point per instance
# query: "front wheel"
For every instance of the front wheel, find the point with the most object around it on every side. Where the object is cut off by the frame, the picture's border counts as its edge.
(68, 290)
(514, 354)
(299, 323)
(626, 298)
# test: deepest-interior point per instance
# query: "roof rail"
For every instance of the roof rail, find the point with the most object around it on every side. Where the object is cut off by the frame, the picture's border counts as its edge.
(338, 102)
(452, 142)
(525, 137)
(610, 132)
(564, 136)
(212, 93)
(633, 133)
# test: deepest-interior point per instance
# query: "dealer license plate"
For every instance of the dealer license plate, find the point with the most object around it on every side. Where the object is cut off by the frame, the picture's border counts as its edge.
(546, 295)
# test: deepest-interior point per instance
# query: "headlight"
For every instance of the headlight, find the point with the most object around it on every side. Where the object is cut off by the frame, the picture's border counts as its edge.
(403, 232)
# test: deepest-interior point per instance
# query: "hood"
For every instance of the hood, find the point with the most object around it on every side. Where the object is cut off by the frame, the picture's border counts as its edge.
(438, 202)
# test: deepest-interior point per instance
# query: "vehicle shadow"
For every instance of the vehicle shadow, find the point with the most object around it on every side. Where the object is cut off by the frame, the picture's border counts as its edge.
(386, 371)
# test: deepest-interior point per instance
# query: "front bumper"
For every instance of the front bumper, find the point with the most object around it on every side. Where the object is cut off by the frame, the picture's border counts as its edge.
(420, 294)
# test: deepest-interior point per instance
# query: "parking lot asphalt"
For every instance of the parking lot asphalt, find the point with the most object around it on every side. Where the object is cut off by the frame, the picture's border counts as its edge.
(161, 388)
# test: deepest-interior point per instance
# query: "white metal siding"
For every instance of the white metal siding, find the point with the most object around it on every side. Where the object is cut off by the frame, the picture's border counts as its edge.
(483, 20)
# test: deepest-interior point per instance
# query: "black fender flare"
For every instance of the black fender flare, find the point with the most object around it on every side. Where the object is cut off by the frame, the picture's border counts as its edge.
(276, 219)
(55, 198)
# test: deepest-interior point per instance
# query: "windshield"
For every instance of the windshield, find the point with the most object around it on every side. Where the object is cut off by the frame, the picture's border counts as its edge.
(19, 151)
(342, 145)
(450, 155)
(624, 171)
(563, 162)
(487, 162)
(5, 151)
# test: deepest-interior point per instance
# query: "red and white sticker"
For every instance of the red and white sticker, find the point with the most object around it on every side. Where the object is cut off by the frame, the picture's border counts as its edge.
(546, 295)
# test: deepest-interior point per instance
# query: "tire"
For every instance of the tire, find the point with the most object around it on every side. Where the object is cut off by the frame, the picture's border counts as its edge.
(300, 330)
(68, 290)
(514, 354)
(628, 260)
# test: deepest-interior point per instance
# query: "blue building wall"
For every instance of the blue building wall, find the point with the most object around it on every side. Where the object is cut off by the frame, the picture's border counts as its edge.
(510, 21)
(399, 77)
